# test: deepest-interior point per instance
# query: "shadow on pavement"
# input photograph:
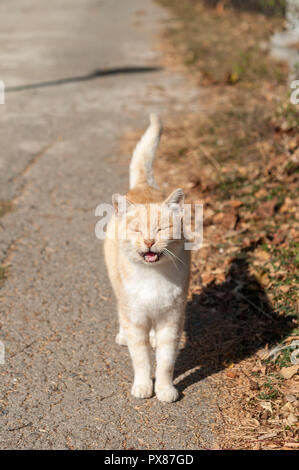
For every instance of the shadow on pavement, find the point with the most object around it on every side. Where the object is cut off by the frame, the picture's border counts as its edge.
(226, 323)
(83, 78)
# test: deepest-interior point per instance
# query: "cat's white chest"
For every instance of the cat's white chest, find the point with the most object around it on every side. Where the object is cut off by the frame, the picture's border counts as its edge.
(150, 292)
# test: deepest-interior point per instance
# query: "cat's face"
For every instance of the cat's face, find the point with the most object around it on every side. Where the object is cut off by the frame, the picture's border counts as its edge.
(150, 233)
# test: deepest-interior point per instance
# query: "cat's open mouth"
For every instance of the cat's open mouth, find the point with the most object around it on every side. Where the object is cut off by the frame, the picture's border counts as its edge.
(151, 257)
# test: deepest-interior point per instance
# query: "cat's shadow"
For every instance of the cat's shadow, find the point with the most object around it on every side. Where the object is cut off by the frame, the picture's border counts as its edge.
(226, 323)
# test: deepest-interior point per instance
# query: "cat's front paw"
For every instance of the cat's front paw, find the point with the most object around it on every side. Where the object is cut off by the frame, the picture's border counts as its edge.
(144, 390)
(168, 393)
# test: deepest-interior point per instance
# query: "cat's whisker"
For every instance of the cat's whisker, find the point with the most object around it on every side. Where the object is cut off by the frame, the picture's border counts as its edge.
(168, 255)
(179, 259)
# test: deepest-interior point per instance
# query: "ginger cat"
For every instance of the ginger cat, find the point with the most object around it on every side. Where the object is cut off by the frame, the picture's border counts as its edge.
(149, 270)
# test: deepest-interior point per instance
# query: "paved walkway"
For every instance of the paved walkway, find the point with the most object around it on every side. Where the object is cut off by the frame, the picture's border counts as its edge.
(79, 74)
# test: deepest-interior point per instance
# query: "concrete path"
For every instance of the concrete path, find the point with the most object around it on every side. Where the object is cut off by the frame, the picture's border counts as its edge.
(65, 383)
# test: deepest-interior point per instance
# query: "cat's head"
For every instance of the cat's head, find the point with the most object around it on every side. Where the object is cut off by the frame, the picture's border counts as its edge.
(150, 233)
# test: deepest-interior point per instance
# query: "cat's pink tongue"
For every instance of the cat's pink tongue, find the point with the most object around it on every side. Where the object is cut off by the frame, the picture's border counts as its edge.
(151, 257)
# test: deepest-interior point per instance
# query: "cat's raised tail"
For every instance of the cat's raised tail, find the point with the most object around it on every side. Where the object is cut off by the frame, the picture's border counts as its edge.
(141, 167)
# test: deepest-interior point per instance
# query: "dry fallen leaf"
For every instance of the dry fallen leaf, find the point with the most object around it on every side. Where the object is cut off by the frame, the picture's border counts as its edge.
(287, 205)
(287, 408)
(266, 405)
(262, 278)
(261, 193)
(267, 436)
(291, 420)
(267, 209)
(288, 372)
(284, 289)
(231, 374)
(262, 254)
(278, 238)
(290, 398)
(292, 445)
(235, 203)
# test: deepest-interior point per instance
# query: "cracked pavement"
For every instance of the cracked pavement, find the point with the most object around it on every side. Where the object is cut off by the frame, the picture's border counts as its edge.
(65, 383)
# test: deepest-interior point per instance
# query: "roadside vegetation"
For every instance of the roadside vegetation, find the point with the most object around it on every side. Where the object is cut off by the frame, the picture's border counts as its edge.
(239, 156)
(5, 206)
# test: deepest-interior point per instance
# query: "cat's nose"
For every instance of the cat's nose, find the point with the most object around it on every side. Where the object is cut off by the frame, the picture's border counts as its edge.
(149, 243)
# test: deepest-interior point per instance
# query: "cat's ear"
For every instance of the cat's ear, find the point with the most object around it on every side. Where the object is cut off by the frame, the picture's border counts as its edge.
(175, 201)
(121, 204)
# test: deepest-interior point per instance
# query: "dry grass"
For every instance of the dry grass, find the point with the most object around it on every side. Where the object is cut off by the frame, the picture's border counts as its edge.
(5, 206)
(223, 45)
(3, 274)
(240, 158)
